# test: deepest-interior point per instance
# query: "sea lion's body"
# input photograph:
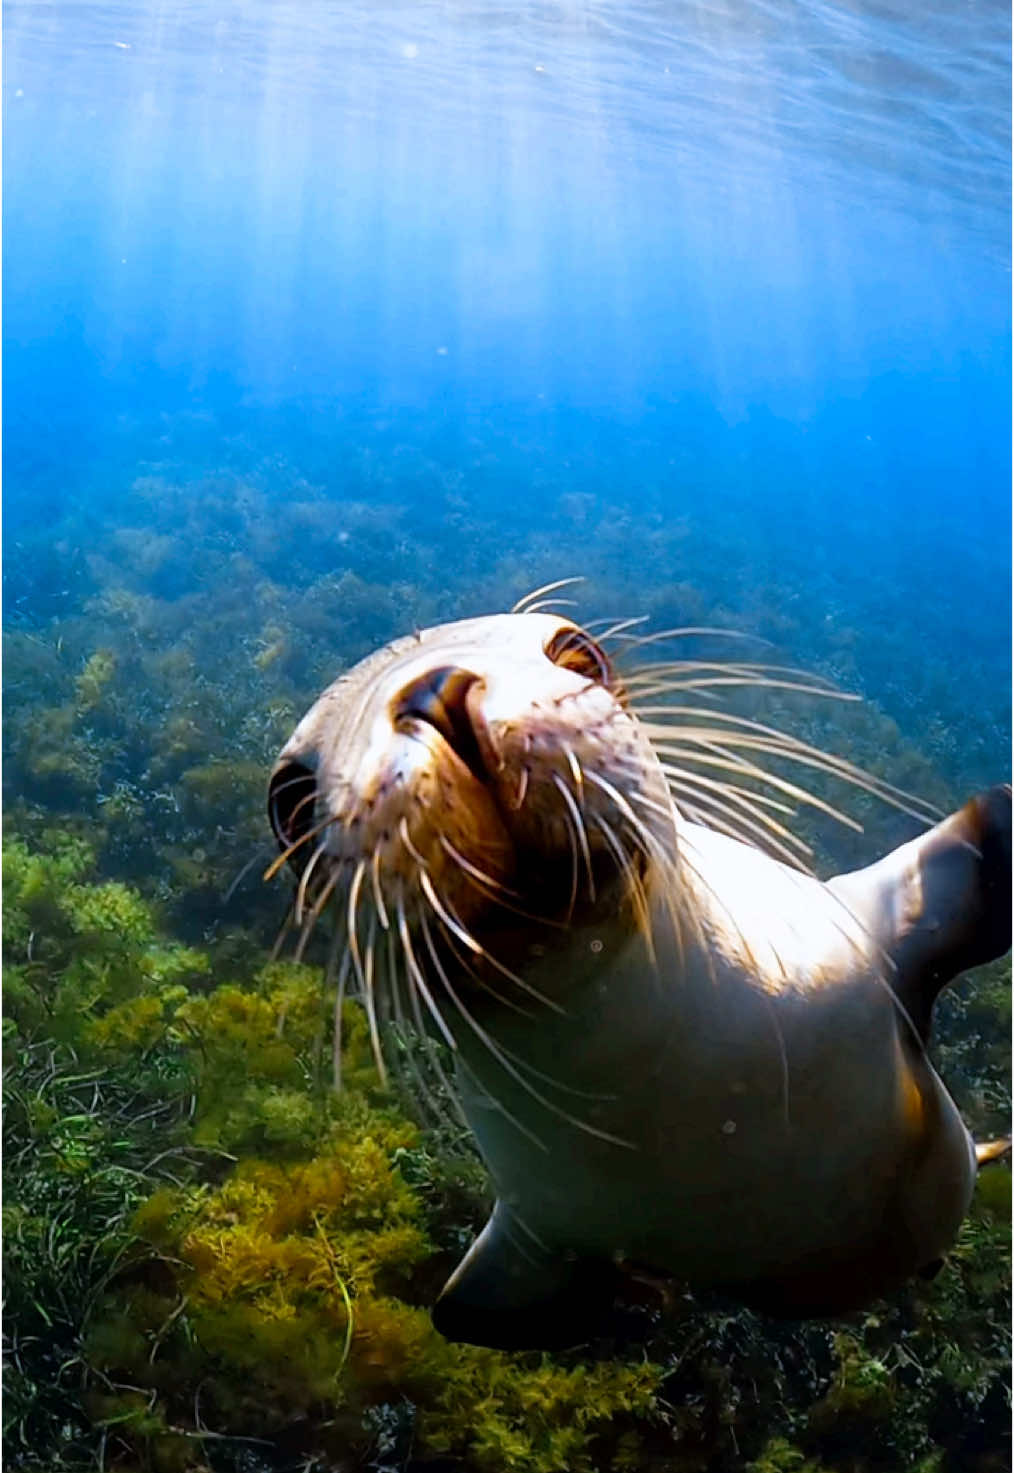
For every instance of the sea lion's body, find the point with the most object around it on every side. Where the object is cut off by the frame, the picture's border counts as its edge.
(674, 1051)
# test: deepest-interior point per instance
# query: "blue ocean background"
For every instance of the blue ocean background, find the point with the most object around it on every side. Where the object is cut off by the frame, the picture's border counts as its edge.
(327, 321)
(744, 267)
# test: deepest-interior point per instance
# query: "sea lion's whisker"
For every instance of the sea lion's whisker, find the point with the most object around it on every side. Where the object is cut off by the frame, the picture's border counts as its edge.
(378, 892)
(523, 1250)
(689, 631)
(283, 931)
(416, 986)
(704, 753)
(365, 981)
(688, 865)
(523, 605)
(416, 976)
(614, 629)
(783, 1055)
(578, 831)
(519, 797)
(575, 771)
(652, 804)
(656, 854)
(835, 766)
(727, 718)
(423, 1093)
(543, 1248)
(730, 800)
(338, 974)
(887, 792)
(492, 889)
(492, 1047)
(656, 669)
(406, 839)
(304, 879)
(806, 757)
(642, 690)
(675, 898)
(748, 797)
(639, 899)
(613, 793)
(481, 982)
(551, 603)
(568, 824)
(516, 1058)
(287, 854)
(677, 908)
(234, 886)
(315, 913)
(473, 870)
(651, 847)
(496, 1052)
(292, 782)
(688, 850)
(703, 808)
(705, 811)
(453, 923)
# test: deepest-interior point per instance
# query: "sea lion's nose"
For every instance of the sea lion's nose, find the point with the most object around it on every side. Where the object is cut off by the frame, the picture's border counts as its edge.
(440, 699)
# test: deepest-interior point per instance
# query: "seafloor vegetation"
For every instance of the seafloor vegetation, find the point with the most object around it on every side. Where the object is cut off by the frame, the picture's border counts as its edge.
(215, 1262)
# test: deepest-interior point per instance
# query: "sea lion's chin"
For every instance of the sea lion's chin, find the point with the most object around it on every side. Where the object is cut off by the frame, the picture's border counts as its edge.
(466, 843)
(429, 829)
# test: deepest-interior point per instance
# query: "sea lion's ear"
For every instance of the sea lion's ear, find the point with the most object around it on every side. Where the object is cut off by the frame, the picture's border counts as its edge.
(510, 1294)
(953, 900)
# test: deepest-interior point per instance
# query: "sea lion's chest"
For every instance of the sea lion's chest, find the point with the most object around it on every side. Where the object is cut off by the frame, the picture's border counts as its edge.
(689, 1101)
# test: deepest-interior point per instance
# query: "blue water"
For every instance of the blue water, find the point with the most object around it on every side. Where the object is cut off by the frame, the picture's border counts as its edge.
(736, 268)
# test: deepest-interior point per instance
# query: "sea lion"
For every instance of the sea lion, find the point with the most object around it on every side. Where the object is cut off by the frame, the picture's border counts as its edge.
(675, 1049)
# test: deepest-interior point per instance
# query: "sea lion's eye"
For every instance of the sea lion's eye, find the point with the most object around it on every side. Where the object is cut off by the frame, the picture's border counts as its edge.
(573, 650)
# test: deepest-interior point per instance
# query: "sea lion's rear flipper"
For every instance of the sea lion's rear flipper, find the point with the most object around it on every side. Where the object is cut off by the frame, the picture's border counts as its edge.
(511, 1294)
(986, 1152)
(942, 903)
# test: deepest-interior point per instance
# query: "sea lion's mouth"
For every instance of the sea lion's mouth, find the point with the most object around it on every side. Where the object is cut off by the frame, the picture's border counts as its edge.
(440, 700)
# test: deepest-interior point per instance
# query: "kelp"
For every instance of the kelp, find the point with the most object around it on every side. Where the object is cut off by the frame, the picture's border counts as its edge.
(282, 1295)
(217, 1261)
(214, 1261)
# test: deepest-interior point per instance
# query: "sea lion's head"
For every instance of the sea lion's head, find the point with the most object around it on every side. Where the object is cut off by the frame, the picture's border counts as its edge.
(486, 803)
(473, 770)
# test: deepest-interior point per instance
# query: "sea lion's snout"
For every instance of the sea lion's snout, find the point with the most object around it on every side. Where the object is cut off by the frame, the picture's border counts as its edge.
(466, 763)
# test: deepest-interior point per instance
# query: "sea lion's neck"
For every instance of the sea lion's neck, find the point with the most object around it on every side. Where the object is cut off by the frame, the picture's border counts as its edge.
(718, 969)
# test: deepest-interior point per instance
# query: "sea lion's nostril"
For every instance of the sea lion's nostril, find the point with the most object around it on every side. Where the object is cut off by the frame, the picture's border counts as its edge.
(439, 699)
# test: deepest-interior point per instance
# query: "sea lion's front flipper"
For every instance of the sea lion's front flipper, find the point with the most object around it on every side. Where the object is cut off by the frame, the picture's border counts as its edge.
(942, 903)
(510, 1293)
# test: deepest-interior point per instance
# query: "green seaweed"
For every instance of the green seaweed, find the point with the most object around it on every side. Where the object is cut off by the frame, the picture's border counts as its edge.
(214, 1261)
